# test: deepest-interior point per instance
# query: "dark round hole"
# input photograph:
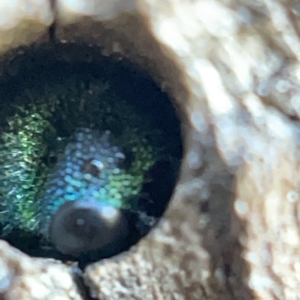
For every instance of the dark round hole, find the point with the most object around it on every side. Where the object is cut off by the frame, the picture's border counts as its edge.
(78, 130)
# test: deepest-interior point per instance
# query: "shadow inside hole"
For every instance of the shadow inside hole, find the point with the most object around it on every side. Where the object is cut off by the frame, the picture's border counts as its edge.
(53, 63)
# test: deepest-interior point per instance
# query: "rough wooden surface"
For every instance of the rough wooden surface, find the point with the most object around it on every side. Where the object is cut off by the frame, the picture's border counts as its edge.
(232, 68)
(23, 22)
(23, 278)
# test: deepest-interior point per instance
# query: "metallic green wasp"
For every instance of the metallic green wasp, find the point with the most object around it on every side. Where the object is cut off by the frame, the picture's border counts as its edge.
(73, 158)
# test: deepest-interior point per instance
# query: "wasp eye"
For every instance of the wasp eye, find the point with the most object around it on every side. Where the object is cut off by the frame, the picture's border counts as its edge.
(82, 226)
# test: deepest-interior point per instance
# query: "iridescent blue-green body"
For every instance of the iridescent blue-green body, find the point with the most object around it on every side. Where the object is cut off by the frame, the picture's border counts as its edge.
(90, 168)
(102, 152)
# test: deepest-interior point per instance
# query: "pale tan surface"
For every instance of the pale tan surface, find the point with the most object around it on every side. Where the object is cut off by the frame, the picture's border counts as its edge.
(233, 69)
(23, 22)
(23, 278)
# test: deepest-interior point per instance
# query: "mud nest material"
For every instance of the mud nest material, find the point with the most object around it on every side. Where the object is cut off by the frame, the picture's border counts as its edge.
(231, 229)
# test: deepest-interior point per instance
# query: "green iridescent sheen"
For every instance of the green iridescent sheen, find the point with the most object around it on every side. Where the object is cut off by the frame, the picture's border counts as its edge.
(39, 131)
(22, 172)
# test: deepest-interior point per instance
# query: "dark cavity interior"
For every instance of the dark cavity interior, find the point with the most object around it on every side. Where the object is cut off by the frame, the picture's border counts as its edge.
(32, 68)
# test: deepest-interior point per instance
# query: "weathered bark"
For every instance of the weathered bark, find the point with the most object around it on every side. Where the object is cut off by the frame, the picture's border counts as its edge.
(232, 68)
